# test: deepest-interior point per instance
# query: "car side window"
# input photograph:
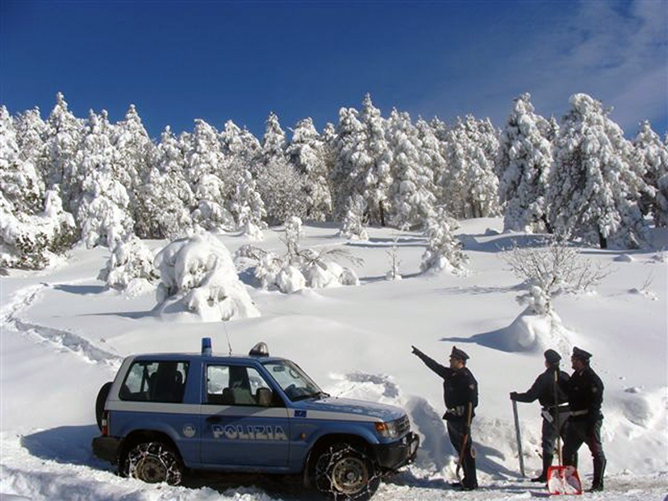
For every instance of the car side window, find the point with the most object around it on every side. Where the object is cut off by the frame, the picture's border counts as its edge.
(155, 381)
(237, 385)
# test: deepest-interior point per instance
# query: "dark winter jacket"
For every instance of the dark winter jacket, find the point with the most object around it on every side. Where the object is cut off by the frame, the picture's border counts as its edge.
(459, 388)
(585, 395)
(543, 389)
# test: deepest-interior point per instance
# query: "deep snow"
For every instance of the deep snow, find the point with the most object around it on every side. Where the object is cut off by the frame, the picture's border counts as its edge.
(63, 335)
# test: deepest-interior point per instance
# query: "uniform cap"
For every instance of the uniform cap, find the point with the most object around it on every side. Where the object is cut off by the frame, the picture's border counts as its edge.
(457, 353)
(581, 354)
(552, 357)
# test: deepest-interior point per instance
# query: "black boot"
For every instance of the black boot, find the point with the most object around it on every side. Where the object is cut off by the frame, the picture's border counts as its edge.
(599, 470)
(547, 462)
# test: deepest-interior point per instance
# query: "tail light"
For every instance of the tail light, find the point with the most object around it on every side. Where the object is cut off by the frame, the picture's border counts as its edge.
(105, 423)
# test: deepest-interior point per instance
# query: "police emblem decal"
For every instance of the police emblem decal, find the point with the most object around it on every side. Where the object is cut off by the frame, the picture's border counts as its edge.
(189, 431)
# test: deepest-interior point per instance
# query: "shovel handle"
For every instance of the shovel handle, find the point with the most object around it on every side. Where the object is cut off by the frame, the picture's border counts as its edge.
(519, 438)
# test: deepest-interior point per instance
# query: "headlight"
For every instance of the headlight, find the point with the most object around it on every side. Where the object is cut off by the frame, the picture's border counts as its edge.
(387, 430)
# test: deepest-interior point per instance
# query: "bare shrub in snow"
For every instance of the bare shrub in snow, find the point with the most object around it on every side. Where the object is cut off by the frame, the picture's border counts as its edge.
(130, 266)
(552, 270)
(198, 276)
(393, 256)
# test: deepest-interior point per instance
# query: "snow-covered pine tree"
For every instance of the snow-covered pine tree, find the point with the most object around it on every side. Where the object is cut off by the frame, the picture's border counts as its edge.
(374, 175)
(352, 226)
(443, 252)
(205, 168)
(136, 153)
(653, 157)
(412, 192)
(278, 182)
(165, 199)
(30, 133)
(525, 158)
(470, 185)
(593, 186)
(33, 224)
(307, 153)
(20, 182)
(103, 210)
(63, 137)
(247, 206)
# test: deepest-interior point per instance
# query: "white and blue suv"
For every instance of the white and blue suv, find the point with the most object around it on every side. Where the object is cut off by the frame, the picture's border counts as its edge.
(164, 413)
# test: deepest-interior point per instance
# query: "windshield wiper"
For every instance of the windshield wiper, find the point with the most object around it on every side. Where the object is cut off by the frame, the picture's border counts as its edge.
(320, 394)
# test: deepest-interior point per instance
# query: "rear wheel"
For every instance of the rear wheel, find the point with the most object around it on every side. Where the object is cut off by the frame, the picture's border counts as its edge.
(100, 401)
(344, 472)
(153, 462)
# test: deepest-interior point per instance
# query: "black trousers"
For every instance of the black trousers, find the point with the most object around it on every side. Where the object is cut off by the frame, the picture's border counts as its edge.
(456, 431)
(549, 432)
(579, 432)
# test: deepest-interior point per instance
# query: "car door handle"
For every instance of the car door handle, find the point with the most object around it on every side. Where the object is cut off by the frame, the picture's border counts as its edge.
(214, 419)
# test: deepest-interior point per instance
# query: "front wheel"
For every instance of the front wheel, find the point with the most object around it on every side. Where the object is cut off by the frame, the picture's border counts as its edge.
(153, 462)
(343, 472)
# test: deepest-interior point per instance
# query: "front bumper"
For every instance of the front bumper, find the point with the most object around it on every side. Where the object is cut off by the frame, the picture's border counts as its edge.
(107, 448)
(397, 454)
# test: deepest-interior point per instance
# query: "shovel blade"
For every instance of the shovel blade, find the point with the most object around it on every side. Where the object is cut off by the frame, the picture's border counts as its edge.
(563, 480)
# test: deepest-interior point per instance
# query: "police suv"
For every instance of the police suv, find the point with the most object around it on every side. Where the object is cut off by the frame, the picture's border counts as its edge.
(164, 413)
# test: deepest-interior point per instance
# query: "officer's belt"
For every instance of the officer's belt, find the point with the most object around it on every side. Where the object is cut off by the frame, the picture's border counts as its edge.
(456, 411)
(560, 408)
(580, 413)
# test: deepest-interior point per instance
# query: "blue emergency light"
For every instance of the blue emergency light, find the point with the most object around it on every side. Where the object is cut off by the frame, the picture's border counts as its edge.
(206, 346)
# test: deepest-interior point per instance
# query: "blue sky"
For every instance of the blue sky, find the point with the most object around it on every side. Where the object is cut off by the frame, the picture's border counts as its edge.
(219, 60)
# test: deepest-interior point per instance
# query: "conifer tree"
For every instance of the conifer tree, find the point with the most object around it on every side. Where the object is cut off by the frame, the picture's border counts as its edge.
(653, 158)
(470, 185)
(307, 153)
(165, 200)
(103, 209)
(593, 187)
(62, 141)
(412, 192)
(525, 158)
(443, 252)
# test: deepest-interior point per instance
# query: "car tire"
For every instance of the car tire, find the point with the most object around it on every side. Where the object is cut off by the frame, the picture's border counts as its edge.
(344, 472)
(153, 462)
(100, 401)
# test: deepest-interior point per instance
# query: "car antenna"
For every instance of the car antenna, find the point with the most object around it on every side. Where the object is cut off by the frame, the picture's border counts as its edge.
(229, 345)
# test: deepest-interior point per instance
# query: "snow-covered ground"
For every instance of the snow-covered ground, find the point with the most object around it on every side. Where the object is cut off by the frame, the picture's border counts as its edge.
(63, 335)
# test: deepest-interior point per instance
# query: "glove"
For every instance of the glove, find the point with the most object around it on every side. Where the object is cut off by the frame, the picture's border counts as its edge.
(513, 395)
(415, 350)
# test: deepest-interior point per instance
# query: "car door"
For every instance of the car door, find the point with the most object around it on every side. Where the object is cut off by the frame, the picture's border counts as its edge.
(243, 423)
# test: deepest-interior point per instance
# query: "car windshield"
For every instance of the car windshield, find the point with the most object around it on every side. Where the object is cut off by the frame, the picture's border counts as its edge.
(294, 381)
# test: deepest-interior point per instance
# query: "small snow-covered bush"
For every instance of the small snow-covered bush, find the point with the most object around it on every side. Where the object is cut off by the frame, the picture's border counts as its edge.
(299, 269)
(130, 266)
(197, 276)
(443, 249)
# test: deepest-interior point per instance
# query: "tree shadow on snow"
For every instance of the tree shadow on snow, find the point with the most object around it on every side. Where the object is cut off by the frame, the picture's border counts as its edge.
(496, 340)
(134, 315)
(80, 289)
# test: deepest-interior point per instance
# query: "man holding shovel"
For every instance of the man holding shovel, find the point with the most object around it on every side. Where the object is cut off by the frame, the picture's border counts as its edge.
(585, 397)
(460, 391)
(551, 398)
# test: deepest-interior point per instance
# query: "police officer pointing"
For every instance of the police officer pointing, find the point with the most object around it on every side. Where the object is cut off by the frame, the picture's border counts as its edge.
(547, 391)
(585, 397)
(460, 391)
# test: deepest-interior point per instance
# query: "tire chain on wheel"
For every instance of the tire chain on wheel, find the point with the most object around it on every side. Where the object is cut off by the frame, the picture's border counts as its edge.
(323, 467)
(161, 452)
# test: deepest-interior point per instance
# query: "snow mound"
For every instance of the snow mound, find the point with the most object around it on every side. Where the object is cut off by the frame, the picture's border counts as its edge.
(644, 409)
(624, 258)
(536, 333)
(130, 267)
(198, 278)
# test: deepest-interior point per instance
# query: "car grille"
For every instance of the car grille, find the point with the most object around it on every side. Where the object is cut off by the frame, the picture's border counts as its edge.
(403, 425)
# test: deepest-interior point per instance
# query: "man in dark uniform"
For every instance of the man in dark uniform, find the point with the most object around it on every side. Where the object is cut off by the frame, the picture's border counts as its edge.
(546, 390)
(460, 390)
(585, 397)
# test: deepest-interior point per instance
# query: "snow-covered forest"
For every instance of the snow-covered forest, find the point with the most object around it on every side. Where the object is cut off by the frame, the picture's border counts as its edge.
(68, 181)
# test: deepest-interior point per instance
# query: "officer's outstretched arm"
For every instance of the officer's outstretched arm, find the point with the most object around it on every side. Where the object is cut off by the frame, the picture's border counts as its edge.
(439, 369)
